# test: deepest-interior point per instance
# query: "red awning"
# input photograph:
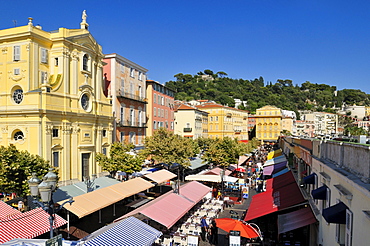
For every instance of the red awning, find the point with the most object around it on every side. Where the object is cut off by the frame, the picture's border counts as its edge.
(27, 225)
(297, 219)
(274, 200)
(280, 181)
(194, 191)
(217, 171)
(166, 209)
(7, 210)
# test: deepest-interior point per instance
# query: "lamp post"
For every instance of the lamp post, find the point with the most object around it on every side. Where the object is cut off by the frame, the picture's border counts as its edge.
(174, 165)
(44, 189)
(222, 173)
(90, 182)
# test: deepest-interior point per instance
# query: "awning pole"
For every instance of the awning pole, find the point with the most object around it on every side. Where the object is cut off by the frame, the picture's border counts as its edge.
(68, 223)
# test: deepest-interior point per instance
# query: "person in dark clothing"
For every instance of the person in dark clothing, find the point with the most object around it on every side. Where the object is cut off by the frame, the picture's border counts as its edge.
(204, 228)
(214, 233)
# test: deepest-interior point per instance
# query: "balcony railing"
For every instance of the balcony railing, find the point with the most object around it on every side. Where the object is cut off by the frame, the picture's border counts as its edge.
(127, 95)
(187, 129)
(129, 123)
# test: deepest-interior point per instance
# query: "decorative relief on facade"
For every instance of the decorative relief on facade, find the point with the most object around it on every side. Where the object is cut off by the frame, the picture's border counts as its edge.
(4, 129)
(75, 129)
(16, 77)
(67, 129)
(5, 50)
(48, 129)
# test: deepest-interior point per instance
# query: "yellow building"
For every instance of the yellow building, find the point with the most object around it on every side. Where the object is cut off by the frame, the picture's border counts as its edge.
(225, 121)
(190, 122)
(52, 101)
(268, 123)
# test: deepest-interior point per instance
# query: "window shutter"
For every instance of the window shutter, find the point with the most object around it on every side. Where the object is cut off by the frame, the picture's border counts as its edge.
(17, 53)
(44, 55)
(349, 222)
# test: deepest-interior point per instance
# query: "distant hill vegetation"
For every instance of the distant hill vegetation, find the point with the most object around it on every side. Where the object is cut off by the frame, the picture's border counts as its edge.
(283, 94)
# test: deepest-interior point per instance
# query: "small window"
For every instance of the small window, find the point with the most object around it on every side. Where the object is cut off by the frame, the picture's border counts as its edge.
(16, 53)
(44, 55)
(140, 75)
(85, 61)
(17, 71)
(122, 137)
(122, 67)
(104, 150)
(55, 133)
(104, 133)
(18, 136)
(56, 159)
(132, 72)
(56, 61)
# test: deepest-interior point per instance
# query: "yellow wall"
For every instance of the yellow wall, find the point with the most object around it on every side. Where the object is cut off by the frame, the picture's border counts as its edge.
(53, 103)
(268, 123)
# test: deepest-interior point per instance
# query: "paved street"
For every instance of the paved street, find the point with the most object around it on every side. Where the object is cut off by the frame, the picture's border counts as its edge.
(239, 209)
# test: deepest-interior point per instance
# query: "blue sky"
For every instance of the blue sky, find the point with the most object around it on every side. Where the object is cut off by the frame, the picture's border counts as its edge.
(302, 40)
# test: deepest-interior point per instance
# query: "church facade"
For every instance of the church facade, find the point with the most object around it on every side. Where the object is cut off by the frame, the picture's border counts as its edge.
(51, 97)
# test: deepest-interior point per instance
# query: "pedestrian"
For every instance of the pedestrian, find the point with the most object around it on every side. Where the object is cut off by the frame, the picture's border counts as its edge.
(20, 205)
(214, 233)
(204, 228)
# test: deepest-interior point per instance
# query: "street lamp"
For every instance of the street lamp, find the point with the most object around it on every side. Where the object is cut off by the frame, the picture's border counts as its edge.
(90, 182)
(45, 189)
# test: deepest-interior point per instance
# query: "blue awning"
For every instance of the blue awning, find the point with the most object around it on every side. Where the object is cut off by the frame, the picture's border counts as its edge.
(128, 232)
(310, 179)
(319, 193)
(285, 170)
(335, 214)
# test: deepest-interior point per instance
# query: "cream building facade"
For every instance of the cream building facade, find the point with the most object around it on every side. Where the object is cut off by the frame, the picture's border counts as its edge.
(190, 122)
(324, 123)
(52, 101)
(268, 123)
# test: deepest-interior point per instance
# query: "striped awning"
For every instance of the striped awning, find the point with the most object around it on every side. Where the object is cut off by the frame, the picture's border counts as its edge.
(7, 210)
(27, 225)
(128, 232)
(160, 176)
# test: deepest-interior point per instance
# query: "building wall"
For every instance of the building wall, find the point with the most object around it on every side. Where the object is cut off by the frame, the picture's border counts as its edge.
(268, 123)
(52, 95)
(160, 107)
(225, 121)
(126, 82)
(344, 169)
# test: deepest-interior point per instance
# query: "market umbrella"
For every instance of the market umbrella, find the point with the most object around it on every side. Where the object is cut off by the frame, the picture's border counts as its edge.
(240, 169)
(228, 224)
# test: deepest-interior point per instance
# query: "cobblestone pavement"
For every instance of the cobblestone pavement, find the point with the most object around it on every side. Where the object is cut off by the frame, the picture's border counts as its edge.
(237, 208)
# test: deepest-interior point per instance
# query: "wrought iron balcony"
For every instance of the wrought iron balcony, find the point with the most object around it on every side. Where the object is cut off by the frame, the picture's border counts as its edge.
(129, 123)
(127, 95)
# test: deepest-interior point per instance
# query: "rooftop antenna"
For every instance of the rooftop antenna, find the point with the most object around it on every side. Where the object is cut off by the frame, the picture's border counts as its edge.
(15, 23)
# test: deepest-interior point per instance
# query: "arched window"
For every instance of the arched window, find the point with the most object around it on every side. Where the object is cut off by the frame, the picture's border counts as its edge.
(85, 62)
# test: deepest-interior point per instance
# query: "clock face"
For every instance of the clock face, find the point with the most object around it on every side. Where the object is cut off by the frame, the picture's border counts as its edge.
(85, 101)
(18, 96)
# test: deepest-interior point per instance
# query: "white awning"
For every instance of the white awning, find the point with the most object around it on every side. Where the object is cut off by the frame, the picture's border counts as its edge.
(211, 178)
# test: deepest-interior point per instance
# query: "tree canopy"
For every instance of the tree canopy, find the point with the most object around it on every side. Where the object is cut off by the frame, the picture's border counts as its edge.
(226, 151)
(16, 168)
(258, 93)
(166, 147)
(119, 159)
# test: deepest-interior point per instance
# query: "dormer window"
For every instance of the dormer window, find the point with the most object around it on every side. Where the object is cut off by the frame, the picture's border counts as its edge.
(85, 64)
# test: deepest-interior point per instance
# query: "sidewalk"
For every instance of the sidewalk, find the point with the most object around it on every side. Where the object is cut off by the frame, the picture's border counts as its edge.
(237, 208)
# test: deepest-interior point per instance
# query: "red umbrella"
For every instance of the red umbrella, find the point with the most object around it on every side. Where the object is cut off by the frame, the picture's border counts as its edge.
(240, 169)
(245, 229)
